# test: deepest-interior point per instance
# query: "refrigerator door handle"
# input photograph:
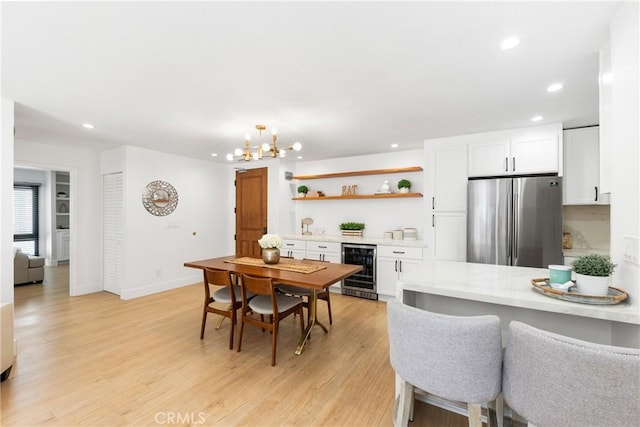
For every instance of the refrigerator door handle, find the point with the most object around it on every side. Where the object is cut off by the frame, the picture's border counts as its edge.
(516, 210)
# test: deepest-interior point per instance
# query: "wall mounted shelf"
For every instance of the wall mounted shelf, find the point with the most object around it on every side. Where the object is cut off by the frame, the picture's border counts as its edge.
(363, 196)
(361, 173)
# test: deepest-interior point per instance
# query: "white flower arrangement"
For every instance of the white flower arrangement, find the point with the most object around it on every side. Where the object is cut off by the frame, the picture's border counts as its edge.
(270, 241)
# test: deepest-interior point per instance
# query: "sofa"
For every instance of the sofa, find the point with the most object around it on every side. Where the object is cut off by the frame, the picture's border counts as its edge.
(27, 268)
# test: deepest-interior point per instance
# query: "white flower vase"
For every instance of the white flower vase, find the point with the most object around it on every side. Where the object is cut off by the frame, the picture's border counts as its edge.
(592, 285)
(271, 255)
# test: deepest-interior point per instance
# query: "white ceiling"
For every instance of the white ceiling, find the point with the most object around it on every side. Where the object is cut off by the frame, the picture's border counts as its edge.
(342, 78)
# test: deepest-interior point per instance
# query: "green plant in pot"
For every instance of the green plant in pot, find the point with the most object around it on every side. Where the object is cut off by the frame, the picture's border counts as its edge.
(303, 189)
(404, 185)
(593, 274)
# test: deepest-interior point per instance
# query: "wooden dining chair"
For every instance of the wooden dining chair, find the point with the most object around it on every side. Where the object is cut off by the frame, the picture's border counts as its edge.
(266, 302)
(228, 294)
(305, 293)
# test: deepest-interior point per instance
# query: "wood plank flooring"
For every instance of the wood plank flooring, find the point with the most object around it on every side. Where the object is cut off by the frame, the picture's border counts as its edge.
(98, 360)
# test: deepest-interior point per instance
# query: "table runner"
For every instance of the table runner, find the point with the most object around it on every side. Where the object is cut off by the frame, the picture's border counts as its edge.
(284, 264)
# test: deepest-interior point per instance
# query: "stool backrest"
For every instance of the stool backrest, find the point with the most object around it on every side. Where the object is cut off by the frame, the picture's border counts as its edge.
(458, 358)
(554, 380)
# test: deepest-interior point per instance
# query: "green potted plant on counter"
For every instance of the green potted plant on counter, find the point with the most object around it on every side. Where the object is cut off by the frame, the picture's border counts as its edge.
(593, 274)
(352, 229)
(404, 185)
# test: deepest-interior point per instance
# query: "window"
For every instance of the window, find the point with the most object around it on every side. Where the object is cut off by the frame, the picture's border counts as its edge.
(25, 218)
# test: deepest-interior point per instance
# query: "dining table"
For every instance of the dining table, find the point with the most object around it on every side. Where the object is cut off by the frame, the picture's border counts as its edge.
(313, 275)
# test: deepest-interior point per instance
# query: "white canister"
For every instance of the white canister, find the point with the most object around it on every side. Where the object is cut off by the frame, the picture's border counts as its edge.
(388, 235)
(398, 235)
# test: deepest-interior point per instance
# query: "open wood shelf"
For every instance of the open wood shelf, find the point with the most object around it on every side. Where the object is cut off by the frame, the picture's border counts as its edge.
(363, 196)
(360, 173)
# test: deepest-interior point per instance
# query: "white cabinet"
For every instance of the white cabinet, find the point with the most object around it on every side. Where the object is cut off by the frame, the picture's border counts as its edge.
(581, 183)
(449, 236)
(446, 163)
(63, 237)
(515, 156)
(324, 251)
(392, 263)
(293, 249)
(62, 199)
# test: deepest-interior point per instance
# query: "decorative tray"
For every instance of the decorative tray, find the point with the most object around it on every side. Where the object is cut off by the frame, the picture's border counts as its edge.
(615, 295)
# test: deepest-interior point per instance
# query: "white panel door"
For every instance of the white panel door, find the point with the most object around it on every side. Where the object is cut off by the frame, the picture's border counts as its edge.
(581, 167)
(489, 158)
(113, 233)
(450, 236)
(449, 179)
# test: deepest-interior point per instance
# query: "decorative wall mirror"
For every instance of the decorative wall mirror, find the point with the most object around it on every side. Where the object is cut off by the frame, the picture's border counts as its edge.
(160, 198)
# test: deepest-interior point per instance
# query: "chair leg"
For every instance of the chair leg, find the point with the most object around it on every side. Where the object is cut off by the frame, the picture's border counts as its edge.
(204, 322)
(233, 322)
(274, 342)
(475, 414)
(404, 403)
(241, 330)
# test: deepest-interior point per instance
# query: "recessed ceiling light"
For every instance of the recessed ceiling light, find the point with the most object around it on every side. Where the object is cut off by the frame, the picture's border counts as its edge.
(554, 87)
(214, 154)
(536, 118)
(299, 157)
(509, 43)
(394, 145)
(87, 126)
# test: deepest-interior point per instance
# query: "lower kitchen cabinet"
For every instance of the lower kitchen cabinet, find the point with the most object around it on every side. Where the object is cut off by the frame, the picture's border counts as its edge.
(449, 236)
(293, 249)
(328, 252)
(392, 263)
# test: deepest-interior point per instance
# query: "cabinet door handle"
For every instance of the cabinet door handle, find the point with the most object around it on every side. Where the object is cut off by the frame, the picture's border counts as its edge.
(433, 202)
(400, 266)
(596, 188)
(398, 252)
(514, 164)
(506, 164)
(290, 244)
(396, 267)
(433, 221)
(322, 247)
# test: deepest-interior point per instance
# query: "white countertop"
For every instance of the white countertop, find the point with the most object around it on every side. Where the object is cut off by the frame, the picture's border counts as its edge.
(358, 240)
(505, 285)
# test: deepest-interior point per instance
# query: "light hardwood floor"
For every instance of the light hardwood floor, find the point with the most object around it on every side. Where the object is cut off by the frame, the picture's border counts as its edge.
(99, 360)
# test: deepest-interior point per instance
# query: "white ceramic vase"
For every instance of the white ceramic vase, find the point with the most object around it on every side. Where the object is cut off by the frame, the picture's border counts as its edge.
(404, 190)
(592, 285)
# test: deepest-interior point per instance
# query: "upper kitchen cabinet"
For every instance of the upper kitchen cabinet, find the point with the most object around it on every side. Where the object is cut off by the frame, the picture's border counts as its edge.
(514, 157)
(582, 167)
(516, 152)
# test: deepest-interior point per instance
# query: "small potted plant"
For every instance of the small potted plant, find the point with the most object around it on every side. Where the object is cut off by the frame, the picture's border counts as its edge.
(303, 189)
(352, 228)
(404, 185)
(593, 274)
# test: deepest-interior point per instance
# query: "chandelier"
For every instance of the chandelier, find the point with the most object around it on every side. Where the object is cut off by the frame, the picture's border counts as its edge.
(262, 150)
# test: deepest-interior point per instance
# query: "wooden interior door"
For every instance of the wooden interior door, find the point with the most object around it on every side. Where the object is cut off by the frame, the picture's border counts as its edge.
(251, 211)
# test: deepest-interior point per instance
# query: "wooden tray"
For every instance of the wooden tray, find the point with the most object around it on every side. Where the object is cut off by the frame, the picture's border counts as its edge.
(615, 295)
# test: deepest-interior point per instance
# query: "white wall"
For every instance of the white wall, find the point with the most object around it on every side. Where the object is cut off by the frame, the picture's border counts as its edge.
(625, 213)
(156, 247)
(6, 208)
(378, 215)
(85, 206)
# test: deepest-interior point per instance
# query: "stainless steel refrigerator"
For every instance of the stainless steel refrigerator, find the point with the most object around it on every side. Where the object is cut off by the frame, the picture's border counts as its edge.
(515, 221)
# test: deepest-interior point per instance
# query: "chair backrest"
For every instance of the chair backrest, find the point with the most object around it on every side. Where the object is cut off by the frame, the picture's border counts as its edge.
(258, 286)
(217, 278)
(458, 358)
(552, 379)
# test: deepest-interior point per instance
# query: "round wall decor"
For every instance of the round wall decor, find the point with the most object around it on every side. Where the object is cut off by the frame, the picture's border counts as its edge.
(160, 198)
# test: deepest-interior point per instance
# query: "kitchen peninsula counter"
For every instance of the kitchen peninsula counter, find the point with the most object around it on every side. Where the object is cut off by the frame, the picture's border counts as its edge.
(358, 240)
(460, 288)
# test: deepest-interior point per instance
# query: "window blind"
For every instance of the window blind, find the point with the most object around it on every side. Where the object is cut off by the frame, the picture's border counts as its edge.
(25, 218)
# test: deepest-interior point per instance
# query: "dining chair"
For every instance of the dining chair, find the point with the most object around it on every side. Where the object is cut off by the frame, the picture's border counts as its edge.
(305, 294)
(266, 302)
(455, 358)
(228, 294)
(554, 380)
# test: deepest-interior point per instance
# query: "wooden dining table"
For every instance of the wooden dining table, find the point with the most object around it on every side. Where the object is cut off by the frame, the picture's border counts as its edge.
(326, 275)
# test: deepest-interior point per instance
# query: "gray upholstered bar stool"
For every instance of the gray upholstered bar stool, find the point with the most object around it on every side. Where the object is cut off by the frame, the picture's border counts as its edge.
(452, 357)
(554, 380)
